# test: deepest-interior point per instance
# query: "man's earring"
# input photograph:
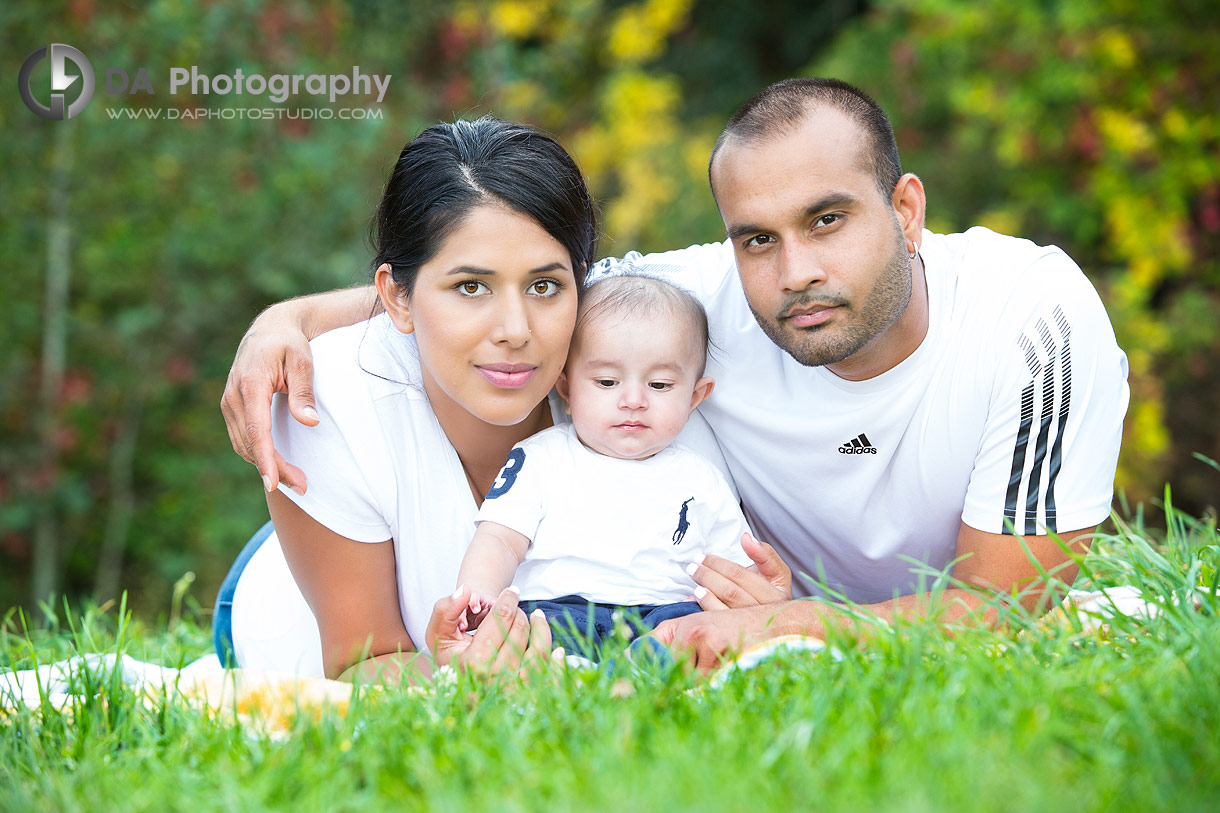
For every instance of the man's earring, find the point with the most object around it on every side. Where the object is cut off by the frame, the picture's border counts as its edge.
(912, 249)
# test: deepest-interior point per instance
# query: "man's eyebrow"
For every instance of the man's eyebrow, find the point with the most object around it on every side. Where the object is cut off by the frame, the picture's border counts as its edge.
(487, 272)
(831, 201)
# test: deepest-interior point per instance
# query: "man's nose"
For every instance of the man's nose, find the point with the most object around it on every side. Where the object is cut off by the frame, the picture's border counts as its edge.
(800, 266)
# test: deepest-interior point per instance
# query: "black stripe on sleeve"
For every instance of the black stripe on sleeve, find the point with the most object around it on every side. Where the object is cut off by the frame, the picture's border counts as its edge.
(1018, 453)
(1044, 431)
(1065, 363)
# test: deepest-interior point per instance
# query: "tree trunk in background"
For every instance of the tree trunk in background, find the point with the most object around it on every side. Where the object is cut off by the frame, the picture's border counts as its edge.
(46, 566)
(122, 494)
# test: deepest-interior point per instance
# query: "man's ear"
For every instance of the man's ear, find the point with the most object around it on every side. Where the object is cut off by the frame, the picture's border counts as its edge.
(561, 387)
(703, 388)
(393, 299)
(910, 205)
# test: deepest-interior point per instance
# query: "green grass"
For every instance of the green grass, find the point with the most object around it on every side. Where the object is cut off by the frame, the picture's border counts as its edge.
(1029, 718)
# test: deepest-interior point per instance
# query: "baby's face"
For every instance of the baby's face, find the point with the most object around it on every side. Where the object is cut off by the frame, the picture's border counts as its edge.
(631, 384)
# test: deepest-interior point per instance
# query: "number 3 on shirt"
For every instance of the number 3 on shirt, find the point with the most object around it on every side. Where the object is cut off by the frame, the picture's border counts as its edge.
(508, 474)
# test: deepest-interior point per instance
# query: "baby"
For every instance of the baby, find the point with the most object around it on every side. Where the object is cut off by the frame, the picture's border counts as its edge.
(606, 513)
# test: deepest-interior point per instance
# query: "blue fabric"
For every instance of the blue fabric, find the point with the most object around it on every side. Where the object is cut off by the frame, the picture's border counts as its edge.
(581, 627)
(222, 615)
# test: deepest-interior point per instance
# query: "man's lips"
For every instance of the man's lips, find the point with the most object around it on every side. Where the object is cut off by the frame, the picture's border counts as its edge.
(810, 315)
(507, 376)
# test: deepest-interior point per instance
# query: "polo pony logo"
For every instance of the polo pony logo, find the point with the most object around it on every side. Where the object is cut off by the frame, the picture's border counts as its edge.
(683, 524)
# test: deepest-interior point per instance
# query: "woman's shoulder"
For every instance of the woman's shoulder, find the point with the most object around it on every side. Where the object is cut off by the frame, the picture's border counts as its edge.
(367, 356)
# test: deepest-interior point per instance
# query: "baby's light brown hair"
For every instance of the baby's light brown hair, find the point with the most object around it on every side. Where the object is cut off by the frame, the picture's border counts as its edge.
(640, 297)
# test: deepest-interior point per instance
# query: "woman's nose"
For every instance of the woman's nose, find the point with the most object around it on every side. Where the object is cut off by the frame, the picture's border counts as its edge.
(513, 327)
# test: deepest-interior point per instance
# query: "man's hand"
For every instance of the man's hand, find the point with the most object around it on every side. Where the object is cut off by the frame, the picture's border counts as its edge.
(713, 638)
(273, 357)
(727, 584)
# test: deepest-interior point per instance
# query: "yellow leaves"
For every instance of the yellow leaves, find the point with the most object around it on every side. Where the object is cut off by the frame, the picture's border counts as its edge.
(639, 32)
(1115, 48)
(1149, 233)
(1147, 440)
(635, 149)
(1174, 124)
(518, 19)
(646, 101)
(1123, 132)
(467, 18)
(521, 97)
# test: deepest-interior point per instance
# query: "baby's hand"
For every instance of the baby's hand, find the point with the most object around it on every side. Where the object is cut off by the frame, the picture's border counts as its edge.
(476, 610)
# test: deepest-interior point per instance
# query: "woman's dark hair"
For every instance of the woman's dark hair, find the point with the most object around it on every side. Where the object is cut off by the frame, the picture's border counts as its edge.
(450, 169)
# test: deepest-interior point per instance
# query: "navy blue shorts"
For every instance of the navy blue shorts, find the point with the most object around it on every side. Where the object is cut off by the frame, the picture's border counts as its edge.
(581, 626)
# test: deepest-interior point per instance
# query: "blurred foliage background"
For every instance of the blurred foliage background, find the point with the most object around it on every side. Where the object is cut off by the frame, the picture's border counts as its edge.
(137, 251)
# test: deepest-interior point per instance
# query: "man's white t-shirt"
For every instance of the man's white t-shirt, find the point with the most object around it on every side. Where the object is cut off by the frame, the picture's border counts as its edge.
(613, 531)
(1008, 416)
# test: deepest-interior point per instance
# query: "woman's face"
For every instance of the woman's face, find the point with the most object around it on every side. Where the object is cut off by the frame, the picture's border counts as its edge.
(493, 313)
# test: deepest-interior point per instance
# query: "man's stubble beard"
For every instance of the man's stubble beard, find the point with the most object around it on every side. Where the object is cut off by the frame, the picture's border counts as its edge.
(866, 319)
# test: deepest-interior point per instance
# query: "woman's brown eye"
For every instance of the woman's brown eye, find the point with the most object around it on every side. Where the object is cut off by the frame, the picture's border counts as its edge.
(470, 287)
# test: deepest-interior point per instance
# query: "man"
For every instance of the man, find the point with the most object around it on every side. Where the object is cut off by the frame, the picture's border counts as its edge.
(892, 404)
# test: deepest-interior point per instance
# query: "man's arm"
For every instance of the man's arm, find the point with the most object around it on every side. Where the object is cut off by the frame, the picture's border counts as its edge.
(274, 357)
(987, 565)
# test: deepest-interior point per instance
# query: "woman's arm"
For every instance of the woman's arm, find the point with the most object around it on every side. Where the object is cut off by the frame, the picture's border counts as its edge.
(274, 357)
(352, 589)
(350, 586)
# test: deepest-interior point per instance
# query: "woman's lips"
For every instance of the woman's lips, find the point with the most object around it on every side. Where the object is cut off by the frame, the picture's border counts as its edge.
(507, 376)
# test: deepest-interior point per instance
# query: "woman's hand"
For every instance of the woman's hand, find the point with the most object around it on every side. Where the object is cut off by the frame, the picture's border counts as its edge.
(273, 357)
(728, 585)
(506, 640)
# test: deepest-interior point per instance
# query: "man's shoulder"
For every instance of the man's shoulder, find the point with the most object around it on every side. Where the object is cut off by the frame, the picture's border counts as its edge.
(701, 269)
(1004, 282)
(998, 262)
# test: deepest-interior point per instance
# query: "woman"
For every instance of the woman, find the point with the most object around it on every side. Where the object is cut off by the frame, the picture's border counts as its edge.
(483, 238)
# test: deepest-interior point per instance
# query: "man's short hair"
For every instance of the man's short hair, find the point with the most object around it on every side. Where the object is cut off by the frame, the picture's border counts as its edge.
(781, 107)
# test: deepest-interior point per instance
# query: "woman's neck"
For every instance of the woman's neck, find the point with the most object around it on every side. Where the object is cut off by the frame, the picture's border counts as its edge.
(482, 447)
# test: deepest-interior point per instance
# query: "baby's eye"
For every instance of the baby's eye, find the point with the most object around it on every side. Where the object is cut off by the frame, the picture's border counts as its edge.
(605, 383)
(661, 386)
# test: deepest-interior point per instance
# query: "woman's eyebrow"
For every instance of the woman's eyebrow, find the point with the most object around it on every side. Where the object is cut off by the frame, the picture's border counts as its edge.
(487, 272)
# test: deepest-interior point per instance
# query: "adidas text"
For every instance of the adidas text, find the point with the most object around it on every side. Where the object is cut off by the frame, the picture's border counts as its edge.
(855, 450)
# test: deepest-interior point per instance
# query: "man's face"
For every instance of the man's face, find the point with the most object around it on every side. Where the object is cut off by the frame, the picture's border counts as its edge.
(821, 255)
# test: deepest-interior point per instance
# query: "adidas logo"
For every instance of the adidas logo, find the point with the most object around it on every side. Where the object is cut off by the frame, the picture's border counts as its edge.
(858, 445)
